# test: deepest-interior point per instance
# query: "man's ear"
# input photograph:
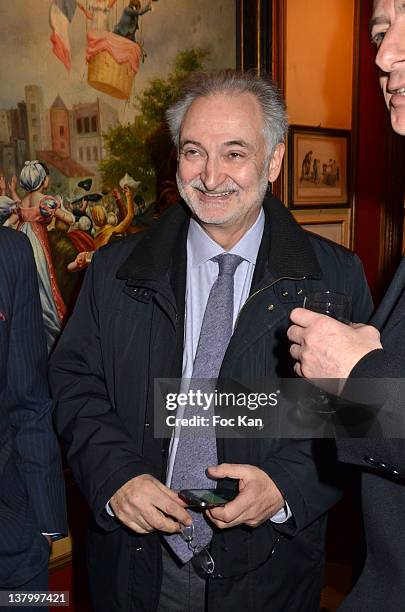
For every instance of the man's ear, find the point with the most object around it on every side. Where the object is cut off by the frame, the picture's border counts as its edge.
(276, 161)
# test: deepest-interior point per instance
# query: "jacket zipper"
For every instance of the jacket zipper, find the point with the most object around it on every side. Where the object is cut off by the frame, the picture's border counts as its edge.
(300, 278)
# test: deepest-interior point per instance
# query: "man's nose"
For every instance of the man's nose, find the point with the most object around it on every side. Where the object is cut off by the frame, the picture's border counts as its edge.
(392, 49)
(213, 174)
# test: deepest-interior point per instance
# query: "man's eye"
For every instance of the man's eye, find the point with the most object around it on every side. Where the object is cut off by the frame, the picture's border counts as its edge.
(235, 155)
(190, 153)
(377, 38)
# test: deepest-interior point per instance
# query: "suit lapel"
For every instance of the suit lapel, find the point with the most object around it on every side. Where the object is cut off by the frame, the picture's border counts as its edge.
(391, 310)
(396, 318)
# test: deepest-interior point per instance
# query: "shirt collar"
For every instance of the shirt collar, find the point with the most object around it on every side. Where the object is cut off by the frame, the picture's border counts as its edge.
(201, 247)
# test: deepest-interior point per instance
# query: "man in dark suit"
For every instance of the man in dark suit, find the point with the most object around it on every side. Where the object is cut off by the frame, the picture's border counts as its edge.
(32, 493)
(157, 305)
(325, 348)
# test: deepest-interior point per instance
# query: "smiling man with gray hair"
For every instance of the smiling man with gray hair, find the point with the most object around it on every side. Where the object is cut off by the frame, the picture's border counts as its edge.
(205, 294)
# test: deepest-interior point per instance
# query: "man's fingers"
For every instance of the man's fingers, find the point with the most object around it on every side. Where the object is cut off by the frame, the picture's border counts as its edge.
(151, 519)
(242, 510)
(170, 503)
(357, 325)
(138, 527)
(145, 504)
(134, 521)
(222, 524)
(229, 513)
(258, 498)
(161, 522)
(175, 511)
(227, 470)
(296, 351)
(304, 317)
(298, 369)
(173, 494)
(295, 333)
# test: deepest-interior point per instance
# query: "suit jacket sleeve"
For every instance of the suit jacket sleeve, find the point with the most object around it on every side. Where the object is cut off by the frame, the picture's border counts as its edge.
(101, 452)
(308, 475)
(28, 399)
(388, 370)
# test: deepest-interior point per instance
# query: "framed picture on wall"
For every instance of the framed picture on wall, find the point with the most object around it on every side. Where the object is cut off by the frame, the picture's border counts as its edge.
(318, 167)
(331, 224)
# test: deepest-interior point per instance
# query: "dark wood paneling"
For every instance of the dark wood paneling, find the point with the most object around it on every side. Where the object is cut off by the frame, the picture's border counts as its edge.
(254, 35)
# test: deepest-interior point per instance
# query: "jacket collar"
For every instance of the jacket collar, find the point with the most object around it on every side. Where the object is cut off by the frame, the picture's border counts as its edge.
(152, 257)
(285, 250)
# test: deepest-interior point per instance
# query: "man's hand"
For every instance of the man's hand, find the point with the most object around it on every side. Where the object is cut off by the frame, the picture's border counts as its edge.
(144, 504)
(258, 500)
(325, 348)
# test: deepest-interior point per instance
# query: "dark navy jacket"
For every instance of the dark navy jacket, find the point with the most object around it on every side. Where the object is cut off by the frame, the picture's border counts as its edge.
(381, 585)
(127, 329)
(32, 492)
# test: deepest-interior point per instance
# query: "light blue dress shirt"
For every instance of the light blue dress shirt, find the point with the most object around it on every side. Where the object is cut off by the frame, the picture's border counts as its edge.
(201, 275)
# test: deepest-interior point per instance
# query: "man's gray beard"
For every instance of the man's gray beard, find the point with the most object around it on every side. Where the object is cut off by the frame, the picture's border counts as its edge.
(227, 186)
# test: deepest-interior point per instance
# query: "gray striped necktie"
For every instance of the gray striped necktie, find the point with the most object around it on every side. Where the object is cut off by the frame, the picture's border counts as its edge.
(195, 453)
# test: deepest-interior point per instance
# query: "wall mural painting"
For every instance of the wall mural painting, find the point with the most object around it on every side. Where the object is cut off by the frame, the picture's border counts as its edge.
(85, 157)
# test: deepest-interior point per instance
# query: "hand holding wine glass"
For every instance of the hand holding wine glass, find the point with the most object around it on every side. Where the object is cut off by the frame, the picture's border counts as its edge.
(339, 307)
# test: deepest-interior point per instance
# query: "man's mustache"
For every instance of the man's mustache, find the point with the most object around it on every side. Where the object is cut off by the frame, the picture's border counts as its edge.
(198, 184)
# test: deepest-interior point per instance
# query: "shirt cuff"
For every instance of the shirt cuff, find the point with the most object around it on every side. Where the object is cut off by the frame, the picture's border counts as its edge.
(109, 510)
(53, 536)
(282, 515)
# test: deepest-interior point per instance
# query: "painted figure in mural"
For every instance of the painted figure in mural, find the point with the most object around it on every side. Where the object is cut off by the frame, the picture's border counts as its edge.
(128, 24)
(306, 166)
(104, 230)
(65, 242)
(32, 216)
(97, 12)
(7, 203)
(80, 209)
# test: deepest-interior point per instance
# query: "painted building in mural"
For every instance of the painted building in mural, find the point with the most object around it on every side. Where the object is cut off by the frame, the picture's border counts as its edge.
(36, 119)
(89, 122)
(13, 138)
(69, 141)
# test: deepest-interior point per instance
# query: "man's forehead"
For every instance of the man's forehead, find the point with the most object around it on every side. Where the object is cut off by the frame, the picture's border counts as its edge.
(223, 110)
(231, 100)
(382, 8)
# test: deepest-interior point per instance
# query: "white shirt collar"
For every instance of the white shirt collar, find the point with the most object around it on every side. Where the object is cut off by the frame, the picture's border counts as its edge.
(201, 247)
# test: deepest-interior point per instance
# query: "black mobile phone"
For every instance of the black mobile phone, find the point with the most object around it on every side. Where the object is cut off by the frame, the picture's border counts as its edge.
(207, 498)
